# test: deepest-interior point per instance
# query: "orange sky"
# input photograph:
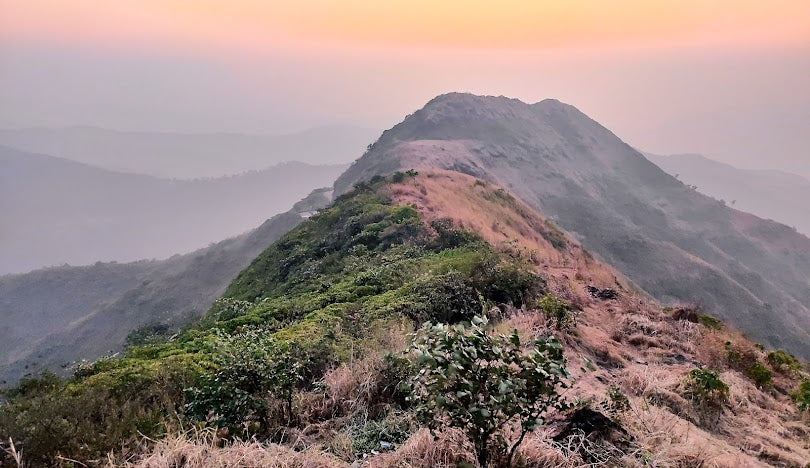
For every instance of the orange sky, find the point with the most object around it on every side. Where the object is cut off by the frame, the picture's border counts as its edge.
(727, 78)
(253, 25)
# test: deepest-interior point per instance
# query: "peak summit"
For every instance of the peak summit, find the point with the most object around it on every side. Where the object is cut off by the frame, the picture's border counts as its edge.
(623, 207)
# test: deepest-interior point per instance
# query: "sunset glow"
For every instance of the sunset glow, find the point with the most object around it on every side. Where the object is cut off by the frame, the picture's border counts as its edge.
(510, 24)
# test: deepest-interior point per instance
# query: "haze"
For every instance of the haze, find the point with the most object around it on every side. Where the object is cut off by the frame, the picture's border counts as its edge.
(724, 78)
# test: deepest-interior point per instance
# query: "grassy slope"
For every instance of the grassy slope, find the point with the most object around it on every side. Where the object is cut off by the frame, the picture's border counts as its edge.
(344, 284)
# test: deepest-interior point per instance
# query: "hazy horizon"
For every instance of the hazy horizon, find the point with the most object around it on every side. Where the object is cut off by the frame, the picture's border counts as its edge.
(723, 79)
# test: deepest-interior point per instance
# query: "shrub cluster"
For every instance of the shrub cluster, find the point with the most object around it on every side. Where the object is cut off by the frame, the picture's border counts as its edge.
(783, 361)
(250, 372)
(802, 395)
(306, 304)
(479, 383)
(558, 311)
(706, 388)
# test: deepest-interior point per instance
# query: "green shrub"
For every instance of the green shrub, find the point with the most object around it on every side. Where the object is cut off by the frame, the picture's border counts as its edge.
(478, 383)
(395, 380)
(557, 310)
(505, 282)
(380, 435)
(802, 395)
(149, 334)
(48, 417)
(761, 375)
(450, 237)
(706, 388)
(710, 322)
(617, 402)
(447, 298)
(783, 361)
(251, 370)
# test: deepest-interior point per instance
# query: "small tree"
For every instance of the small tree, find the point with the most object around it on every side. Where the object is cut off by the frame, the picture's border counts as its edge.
(250, 370)
(706, 388)
(482, 384)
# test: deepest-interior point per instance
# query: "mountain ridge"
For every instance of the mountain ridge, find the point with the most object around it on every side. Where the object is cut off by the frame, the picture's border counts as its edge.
(190, 155)
(338, 297)
(60, 211)
(675, 243)
(57, 316)
(769, 194)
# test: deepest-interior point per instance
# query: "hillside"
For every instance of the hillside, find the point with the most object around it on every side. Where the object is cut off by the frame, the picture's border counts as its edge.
(56, 316)
(305, 356)
(191, 155)
(768, 194)
(57, 211)
(673, 242)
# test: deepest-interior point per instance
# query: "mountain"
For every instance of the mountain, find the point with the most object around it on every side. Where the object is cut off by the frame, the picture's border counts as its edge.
(773, 195)
(675, 243)
(57, 211)
(53, 317)
(191, 155)
(529, 342)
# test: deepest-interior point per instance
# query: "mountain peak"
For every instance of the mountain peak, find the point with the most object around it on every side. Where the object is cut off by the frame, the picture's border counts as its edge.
(622, 206)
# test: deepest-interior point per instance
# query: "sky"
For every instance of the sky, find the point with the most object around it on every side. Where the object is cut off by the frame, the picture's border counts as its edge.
(726, 78)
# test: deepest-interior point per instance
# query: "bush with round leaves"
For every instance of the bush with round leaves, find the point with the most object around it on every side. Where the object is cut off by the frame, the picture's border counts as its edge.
(485, 384)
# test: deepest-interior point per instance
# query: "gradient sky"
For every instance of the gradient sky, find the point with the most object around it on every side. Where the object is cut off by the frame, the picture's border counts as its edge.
(727, 78)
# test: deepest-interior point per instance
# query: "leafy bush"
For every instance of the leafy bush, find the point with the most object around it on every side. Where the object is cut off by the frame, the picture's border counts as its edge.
(706, 388)
(479, 383)
(395, 379)
(447, 298)
(557, 310)
(380, 435)
(227, 308)
(504, 282)
(48, 417)
(783, 361)
(148, 334)
(761, 375)
(710, 322)
(399, 176)
(802, 395)
(449, 237)
(251, 370)
(617, 402)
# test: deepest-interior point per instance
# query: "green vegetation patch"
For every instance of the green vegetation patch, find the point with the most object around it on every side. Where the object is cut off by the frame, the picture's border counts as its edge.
(710, 322)
(310, 301)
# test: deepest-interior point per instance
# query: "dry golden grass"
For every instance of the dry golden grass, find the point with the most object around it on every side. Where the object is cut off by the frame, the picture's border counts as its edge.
(204, 452)
(422, 451)
(633, 343)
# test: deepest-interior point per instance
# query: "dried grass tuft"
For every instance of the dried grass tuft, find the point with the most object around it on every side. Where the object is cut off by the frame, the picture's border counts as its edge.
(422, 451)
(202, 451)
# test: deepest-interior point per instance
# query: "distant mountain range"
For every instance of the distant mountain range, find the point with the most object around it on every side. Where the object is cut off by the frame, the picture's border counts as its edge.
(55, 316)
(776, 195)
(672, 241)
(57, 211)
(191, 155)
